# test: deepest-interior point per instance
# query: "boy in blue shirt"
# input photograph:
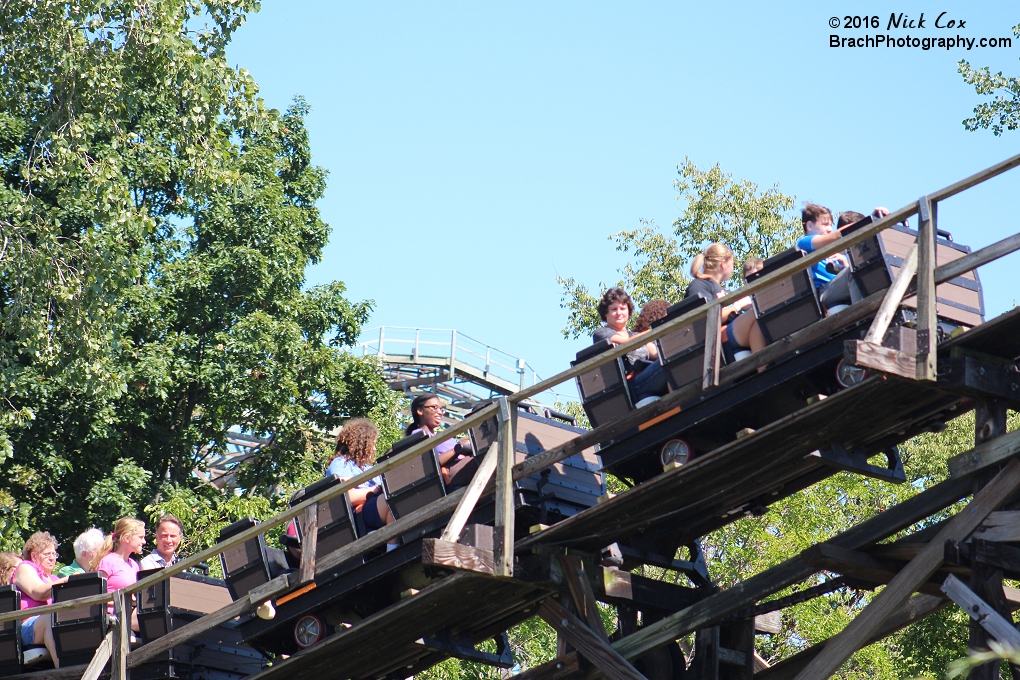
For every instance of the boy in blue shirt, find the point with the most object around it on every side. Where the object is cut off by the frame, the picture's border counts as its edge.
(831, 276)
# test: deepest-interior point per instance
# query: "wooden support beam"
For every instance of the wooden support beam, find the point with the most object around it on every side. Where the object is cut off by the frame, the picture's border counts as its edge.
(861, 565)
(915, 609)
(913, 575)
(504, 524)
(309, 544)
(927, 323)
(1004, 557)
(471, 495)
(885, 359)
(985, 455)
(893, 298)
(175, 637)
(972, 261)
(581, 592)
(99, 659)
(121, 643)
(594, 648)
(457, 556)
(979, 610)
(713, 348)
(728, 602)
(561, 667)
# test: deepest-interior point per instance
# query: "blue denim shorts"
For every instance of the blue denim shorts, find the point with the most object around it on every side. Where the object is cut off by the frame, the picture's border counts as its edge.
(28, 631)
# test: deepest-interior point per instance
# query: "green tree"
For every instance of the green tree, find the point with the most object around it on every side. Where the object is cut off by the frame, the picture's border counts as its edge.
(1003, 111)
(156, 222)
(716, 208)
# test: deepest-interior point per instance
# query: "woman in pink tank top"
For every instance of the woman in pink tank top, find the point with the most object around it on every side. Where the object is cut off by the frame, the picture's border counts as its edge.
(34, 578)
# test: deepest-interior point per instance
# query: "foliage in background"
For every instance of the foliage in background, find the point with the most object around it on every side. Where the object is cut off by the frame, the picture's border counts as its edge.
(716, 208)
(156, 222)
(1003, 111)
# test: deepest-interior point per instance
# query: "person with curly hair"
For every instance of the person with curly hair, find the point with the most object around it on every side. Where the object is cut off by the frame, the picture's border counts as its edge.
(647, 379)
(355, 453)
(652, 311)
(35, 579)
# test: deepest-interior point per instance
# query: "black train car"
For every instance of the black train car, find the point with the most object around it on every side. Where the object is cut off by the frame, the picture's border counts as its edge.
(372, 581)
(216, 654)
(713, 419)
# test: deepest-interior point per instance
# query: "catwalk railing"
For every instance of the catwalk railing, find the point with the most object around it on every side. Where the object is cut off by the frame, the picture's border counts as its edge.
(498, 461)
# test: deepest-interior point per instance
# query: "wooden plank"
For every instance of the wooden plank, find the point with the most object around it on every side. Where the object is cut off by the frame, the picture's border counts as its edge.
(504, 524)
(771, 623)
(892, 299)
(256, 597)
(713, 348)
(861, 565)
(914, 574)
(991, 452)
(728, 602)
(1005, 557)
(457, 556)
(915, 609)
(975, 179)
(121, 642)
(581, 592)
(971, 261)
(471, 495)
(927, 324)
(980, 611)
(309, 544)
(1003, 534)
(591, 646)
(559, 668)
(885, 359)
(64, 673)
(99, 659)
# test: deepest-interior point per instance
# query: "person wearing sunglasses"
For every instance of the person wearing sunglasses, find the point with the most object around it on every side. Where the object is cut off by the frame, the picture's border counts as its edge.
(426, 417)
(35, 579)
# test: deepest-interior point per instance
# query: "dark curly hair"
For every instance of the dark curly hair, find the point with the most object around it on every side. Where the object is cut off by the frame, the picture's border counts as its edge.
(614, 295)
(356, 442)
(652, 311)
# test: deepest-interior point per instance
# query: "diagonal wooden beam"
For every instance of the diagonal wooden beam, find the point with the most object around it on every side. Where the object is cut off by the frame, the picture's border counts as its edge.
(892, 299)
(471, 495)
(917, 571)
(580, 590)
(591, 646)
(980, 611)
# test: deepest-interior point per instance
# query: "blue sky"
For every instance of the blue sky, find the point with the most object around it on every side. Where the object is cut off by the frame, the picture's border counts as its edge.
(478, 150)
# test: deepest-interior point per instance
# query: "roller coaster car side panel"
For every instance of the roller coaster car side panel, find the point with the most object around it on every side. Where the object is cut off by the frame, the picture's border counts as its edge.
(715, 417)
(877, 260)
(364, 587)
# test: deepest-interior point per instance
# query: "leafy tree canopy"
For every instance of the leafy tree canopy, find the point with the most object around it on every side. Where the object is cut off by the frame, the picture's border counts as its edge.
(156, 221)
(1003, 111)
(716, 208)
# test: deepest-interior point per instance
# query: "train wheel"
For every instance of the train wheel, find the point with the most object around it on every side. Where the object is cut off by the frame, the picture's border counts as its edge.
(307, 631)
(848, 375)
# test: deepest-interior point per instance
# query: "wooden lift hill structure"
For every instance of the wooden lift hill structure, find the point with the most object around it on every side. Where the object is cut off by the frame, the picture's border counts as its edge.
(527, 536)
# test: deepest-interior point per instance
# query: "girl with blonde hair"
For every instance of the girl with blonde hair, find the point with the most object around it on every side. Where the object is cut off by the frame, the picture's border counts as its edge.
(114, 559)
(740, 329)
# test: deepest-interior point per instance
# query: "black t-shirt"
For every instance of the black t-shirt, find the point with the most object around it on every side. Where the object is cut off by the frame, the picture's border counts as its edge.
(706, 288)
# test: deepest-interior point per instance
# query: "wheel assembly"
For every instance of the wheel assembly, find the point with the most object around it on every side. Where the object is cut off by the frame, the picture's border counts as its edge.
(308, 630)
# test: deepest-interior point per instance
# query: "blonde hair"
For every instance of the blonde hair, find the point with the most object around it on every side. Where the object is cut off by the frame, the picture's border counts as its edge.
(710, 260)
(8, 563)
(38, 542)
(125, 526)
